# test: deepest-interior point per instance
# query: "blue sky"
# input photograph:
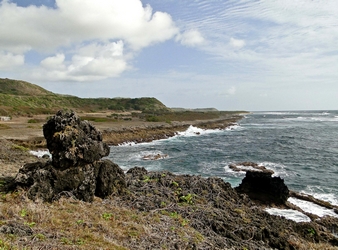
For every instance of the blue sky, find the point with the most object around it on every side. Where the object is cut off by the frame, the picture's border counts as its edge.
(231, 55)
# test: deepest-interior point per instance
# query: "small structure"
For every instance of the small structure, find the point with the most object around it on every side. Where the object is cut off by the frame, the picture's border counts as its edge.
(5, 118)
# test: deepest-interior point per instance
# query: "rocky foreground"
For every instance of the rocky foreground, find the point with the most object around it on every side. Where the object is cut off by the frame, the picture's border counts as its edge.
(76, 200)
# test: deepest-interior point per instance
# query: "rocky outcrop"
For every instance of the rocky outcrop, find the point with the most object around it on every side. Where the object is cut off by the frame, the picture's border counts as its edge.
(16, 228)
(226, 219)
(76, 167)
(73, 142)
(261, 186)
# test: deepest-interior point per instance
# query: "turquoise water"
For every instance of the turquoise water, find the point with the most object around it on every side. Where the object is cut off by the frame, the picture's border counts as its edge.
(300, 146)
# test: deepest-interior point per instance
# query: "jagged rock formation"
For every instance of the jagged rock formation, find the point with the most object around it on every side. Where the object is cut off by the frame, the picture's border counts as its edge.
(76, 147)
(226, 219)
(263, 187)
(73, 142)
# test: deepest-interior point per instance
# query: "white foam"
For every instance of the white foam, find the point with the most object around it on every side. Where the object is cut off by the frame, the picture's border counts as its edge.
(233, 173)
(194, 131)
(277, 113)
(320, 118)
(312, 208)
(233, 127)
(137, 144)
(40, 153)
(127, 144)
(320, 193)
(147, 155)
(289, 214)
(278, 168)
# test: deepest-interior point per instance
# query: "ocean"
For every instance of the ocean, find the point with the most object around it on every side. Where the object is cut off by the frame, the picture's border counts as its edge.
(299, 146)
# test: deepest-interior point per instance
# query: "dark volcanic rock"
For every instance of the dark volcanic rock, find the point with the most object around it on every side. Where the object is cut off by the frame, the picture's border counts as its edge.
(73, 142)
(76, 147)
(16, 228)
(47, 183)
(110, 179)
(225, 218)
(263, 187)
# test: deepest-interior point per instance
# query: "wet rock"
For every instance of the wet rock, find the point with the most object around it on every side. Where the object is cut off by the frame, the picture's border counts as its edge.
(263, 187)
(154, 157)
(310, 198)
(249, 166)
(76, 147)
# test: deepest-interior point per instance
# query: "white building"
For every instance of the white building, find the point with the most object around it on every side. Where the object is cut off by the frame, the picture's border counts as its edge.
(5, 118)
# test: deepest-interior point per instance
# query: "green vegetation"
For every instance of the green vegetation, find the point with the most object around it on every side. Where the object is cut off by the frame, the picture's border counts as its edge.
(168, 117)
(21, 148)
(23, 98)
(19, 98)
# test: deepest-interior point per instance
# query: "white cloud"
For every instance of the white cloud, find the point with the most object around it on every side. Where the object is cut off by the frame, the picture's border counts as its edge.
(54, 62)
(9, 60)
(75, 21)
(191, 38)
(237, 43)
(73, 24)
(91, 62)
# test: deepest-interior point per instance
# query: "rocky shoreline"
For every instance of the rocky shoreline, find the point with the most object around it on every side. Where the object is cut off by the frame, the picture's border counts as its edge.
(147, 210)
(157, 131)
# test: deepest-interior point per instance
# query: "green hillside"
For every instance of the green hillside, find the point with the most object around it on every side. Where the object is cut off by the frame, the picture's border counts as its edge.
(15, 87)
(23, 98)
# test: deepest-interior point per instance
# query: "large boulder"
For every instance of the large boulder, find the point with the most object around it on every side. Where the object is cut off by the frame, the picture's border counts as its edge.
(45, 182)
(76, 167)
(73, 142)
(262, 187)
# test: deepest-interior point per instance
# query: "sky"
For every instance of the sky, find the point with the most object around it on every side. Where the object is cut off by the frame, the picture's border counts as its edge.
(249, 55)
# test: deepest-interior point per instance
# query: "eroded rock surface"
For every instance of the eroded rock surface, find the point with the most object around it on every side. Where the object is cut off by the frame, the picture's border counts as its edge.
(73, 142)
(263, 187)
(226, 219)
(76, 166)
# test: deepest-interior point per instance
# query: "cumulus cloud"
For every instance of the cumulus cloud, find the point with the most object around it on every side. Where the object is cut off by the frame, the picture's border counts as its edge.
(76, 21)
(54, 62)
(9, 60)
(73, 23)
(191, 38)
(91, 62)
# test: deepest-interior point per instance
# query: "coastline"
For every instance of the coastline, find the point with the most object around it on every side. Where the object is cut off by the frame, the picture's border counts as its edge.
(160, 210)
(21, 132)
(18, 136)
(147, 132)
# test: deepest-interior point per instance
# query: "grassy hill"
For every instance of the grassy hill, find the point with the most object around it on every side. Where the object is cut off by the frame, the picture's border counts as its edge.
(23, 98)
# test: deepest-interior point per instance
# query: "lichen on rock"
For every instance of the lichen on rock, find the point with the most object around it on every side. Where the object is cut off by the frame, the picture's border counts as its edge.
(73, 142)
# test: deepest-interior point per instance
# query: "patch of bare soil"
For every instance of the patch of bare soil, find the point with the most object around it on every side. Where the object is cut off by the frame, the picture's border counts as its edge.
(12, 157)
